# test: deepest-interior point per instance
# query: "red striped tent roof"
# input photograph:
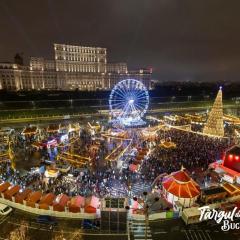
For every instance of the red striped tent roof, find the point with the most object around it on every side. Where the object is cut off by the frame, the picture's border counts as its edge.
(181, 185)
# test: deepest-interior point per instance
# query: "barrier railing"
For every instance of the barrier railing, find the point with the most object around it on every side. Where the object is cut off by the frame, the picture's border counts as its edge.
(65, 214)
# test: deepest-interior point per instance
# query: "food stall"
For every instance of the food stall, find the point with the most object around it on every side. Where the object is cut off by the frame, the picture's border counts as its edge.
(76, 203)
(46, 201)
(60, 203)
(53, 128)
(33, 198)
(11, 192)
(91, 204)
(30, 131)
(212, 194)
(4, 187)
(51, 173)
(22, 195)
(231, 189)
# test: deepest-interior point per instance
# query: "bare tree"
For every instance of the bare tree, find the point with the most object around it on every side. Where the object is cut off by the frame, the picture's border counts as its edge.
(76, 235)
(20, 233)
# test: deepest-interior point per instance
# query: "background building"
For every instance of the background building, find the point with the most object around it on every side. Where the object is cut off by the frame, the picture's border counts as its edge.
(73, 67)
(112, 78)
(117, 68)
(80, 59)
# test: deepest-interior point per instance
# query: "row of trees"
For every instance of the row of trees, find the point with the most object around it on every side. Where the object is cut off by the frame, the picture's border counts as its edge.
(23, 233)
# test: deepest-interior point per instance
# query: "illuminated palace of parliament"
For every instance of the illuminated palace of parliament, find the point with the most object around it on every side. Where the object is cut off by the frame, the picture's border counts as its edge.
(73, 67)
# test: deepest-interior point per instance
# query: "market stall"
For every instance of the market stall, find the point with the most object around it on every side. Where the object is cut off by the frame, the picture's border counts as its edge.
(11, 192)
(53, 128)
(46, 201)
(60, 202)
(21, 196)
(51, 173)
(231, 189)
(4, 187)
(91, 204)
(76, 203)
(167, 144)
(29, 131)
(33, 198)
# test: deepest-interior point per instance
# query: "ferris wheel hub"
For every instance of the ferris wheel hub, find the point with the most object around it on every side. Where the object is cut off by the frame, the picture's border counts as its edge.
(131, 101)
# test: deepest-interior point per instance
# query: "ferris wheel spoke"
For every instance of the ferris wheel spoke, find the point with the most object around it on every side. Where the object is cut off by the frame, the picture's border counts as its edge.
(119, 94)
(139, 107)
(144, 104)
(135, 107)
(122, 90)
(125, 110)
(131, 86)
(132, 110)
(128, 89)
(119, 100)
(118, 106)
(132, 89)
(140, 94)
(142, 101)
(142, 98)
(118, 103)
(123, 85)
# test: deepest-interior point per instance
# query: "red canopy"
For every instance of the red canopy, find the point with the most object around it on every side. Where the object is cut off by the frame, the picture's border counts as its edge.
(46, 201)
(22, 195)
(181, 185)
(91, 204)
(76, 203)
(11, 192)
(60, 202)
(4, 186)
(33, 198)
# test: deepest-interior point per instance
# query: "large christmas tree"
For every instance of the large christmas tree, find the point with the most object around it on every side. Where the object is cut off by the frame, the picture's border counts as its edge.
(214, 125)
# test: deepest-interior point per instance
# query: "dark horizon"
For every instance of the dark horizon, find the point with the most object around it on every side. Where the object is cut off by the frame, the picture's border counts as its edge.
(185, 40)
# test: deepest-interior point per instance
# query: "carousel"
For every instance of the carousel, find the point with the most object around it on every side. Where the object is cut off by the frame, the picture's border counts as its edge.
(178, 186)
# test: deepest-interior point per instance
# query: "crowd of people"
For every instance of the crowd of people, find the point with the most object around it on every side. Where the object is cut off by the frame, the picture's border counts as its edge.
(86, 183)
(192, 151)
(26, 179)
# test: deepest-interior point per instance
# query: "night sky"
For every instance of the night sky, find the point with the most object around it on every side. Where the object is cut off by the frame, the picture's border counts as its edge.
(179, 39)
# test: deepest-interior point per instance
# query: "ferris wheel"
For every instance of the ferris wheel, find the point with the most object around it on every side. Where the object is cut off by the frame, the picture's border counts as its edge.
(129, 100)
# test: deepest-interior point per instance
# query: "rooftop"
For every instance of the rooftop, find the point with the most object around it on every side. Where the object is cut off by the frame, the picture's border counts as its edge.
(215, 190)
